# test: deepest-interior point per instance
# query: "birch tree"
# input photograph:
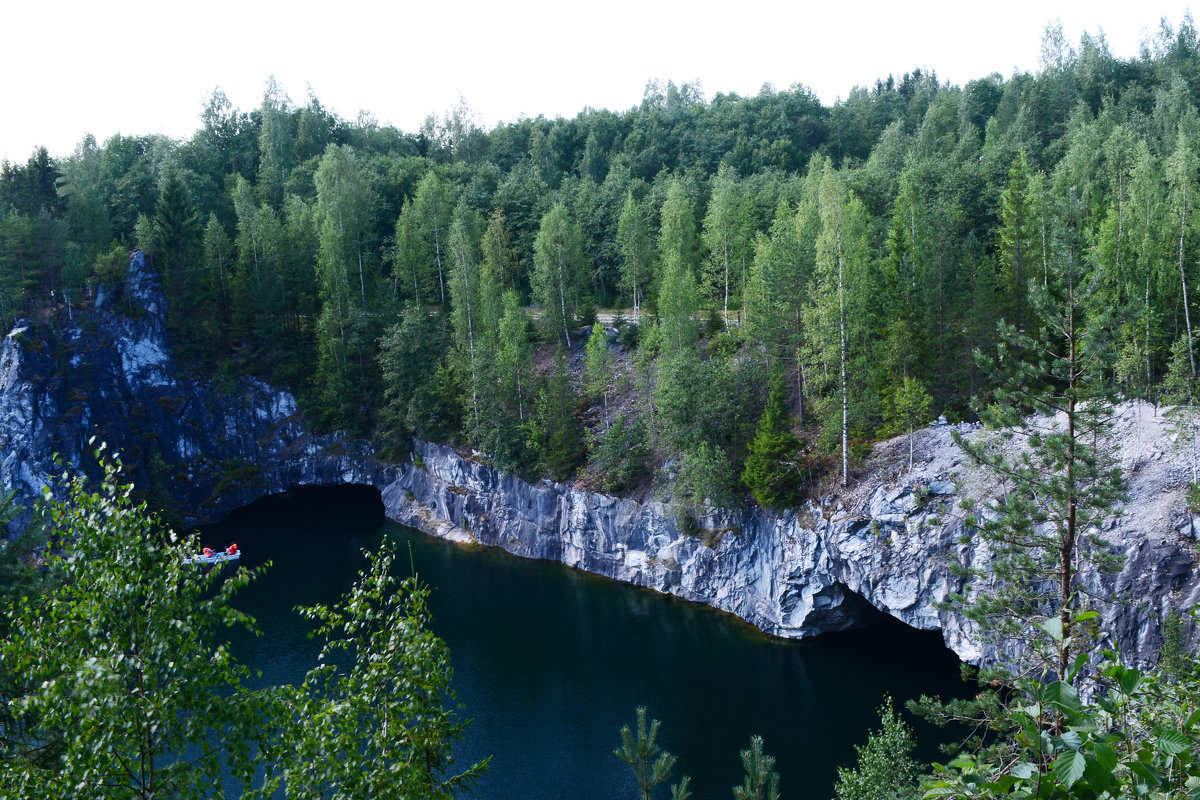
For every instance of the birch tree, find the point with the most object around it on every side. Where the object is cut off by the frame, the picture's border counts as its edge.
(776, 296)
(1181, 178)
(558, 270)
(842, 283)
(724, 236)
(341, 209)
(432, 209)
(637, 257)
(470, 331)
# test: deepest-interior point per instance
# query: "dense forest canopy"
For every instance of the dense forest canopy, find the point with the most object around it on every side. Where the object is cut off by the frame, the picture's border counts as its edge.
(854, 257)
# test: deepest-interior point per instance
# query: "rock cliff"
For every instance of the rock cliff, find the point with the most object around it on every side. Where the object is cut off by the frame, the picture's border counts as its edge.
(888, 545)
(106, 373)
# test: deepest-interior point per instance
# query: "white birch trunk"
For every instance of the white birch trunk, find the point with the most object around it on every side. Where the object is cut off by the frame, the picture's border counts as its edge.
(845, 394)
(1187, 318)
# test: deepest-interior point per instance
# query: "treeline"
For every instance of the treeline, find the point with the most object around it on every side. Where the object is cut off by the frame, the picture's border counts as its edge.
(422, 282)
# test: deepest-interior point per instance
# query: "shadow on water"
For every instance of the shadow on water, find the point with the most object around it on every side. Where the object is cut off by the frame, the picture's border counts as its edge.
(550, 662)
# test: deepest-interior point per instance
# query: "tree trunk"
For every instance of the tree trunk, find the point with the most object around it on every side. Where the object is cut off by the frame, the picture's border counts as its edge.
(1187, 317)
(562, 299)
(845, 393)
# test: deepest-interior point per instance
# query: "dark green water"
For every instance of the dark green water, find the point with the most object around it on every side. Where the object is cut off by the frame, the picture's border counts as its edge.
(550, 662)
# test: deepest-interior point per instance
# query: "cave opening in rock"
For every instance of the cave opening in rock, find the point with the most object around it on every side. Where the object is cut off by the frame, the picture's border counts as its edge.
(351, 503)
(855, 613)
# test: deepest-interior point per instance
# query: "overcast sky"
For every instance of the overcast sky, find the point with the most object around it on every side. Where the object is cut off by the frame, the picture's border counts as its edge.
(134, 67)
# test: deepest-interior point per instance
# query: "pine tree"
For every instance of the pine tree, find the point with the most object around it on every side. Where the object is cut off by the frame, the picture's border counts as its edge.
(1057, 474)
(761, 781)
(651, 765)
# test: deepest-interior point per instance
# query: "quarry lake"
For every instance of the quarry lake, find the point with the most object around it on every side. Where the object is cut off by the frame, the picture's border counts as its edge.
(550, 662)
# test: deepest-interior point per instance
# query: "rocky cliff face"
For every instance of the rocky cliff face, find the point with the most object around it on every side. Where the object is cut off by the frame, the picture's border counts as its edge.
(107, 374)
(889, 545)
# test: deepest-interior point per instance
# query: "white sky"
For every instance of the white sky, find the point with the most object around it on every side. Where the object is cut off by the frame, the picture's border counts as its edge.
(135, 67)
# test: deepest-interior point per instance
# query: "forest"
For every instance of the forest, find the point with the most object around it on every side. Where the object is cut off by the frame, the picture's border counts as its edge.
(711, 297)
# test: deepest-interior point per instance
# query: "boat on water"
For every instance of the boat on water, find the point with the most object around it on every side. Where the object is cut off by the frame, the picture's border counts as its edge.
(230, 554)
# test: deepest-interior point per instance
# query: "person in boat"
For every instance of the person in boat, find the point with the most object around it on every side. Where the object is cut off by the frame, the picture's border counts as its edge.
(207, 552)
(232, 550)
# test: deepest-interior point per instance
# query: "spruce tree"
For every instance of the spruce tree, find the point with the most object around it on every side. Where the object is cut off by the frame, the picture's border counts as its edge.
(554, 431)
(770, 471)
(597, 366)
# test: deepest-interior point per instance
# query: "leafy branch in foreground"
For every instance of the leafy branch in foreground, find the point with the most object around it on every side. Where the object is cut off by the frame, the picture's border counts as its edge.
(1137, 736)
(374, 720)
(128, 695)
(885, 769)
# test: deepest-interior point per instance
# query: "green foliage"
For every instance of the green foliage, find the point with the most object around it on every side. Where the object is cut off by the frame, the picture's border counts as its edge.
(909, 406)
(558, 271)
(1183, 416)
(376, 718)
(761, 782)
(1132, 735)
(554, 432)
(650, 764)
(409, 354)
(893, 230)
(770, 473)
(622, 454)
(1175, 660)
(597, 365)
(20, 577)
(702, 482)
(885, 769)
(130, 693)
(637, 259)
(1059, 478)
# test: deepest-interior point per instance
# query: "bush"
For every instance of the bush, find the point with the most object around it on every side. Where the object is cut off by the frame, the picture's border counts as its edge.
(1193, 498)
